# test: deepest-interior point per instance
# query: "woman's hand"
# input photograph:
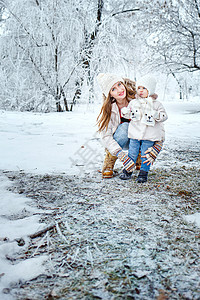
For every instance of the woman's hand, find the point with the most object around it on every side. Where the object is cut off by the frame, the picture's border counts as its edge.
(127, 161)
(149, 159)
(152, 152)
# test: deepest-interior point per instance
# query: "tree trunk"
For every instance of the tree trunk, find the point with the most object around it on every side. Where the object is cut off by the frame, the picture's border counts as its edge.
(179, 84)
(87, 50)
(58, 106)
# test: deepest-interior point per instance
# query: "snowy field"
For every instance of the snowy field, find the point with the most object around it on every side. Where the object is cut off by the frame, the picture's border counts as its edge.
(101, 239)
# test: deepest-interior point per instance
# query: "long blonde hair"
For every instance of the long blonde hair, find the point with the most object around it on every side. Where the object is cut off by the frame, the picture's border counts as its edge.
(104, 116)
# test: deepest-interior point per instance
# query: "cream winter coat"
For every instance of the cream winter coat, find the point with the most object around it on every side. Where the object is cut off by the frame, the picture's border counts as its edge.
(107, 135)
(149, 126)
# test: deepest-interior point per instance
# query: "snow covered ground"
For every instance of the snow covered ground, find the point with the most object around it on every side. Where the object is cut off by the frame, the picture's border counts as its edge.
(55, 157)
(48, 143)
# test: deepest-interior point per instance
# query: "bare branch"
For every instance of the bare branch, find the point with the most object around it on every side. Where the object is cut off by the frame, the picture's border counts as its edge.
(39, 233)
(25, 29)
(37, 2)
(39, 71)
(125, 11)
(197, 7)
(74, 68)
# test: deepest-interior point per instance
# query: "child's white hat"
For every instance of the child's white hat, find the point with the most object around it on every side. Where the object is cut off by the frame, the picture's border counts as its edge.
(107, 80)
(148, 82)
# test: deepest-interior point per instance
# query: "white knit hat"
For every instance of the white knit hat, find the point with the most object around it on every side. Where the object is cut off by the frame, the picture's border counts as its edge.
(148, 82)
(107, 80)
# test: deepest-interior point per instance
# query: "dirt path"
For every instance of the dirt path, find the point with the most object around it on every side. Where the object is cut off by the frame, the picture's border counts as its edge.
(114, 239)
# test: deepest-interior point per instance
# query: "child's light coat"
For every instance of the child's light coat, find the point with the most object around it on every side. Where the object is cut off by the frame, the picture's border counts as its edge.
(146, 117)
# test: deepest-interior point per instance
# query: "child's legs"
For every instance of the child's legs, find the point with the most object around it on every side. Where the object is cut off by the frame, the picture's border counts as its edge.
(134, 149)
(121, 135)
(144, 146)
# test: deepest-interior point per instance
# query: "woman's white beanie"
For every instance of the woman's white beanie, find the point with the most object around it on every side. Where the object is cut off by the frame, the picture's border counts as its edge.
(107, 80)
(148, 82)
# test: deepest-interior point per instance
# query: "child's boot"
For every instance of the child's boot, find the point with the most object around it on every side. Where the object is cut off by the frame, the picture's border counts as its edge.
(125, 175)
(108, 165)
(142, 177)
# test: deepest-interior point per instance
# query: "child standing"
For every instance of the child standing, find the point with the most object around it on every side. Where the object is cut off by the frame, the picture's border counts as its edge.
(146, 125)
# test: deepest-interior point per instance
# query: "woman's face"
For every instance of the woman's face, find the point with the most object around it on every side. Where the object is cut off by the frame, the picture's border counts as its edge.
(142, 92)
(118, 91)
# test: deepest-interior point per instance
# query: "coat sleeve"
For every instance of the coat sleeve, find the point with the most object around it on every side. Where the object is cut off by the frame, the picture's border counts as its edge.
(108, 140)
(161, 115)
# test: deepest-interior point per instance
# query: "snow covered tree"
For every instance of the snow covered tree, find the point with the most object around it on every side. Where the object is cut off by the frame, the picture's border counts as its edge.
(42, 48)
(174, 38)
(50, 48)
(171, 39)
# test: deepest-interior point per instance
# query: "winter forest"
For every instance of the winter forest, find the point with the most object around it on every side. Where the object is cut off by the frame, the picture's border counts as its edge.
(65, 231)
(51, 51)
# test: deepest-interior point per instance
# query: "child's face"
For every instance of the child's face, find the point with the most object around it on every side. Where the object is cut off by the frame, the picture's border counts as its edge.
(142, 92)
(118, 91)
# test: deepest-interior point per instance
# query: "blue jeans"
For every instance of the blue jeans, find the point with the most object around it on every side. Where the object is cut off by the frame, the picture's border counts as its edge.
(121, 135)
(134, 148)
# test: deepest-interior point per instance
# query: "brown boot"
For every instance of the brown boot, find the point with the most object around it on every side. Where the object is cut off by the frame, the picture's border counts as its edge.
(108, 165)
(138, 162)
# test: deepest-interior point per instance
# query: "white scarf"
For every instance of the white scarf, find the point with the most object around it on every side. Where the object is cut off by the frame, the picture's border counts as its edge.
(147, 111)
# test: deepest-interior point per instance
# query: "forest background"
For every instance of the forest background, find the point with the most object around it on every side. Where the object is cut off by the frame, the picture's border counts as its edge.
(51, 51)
